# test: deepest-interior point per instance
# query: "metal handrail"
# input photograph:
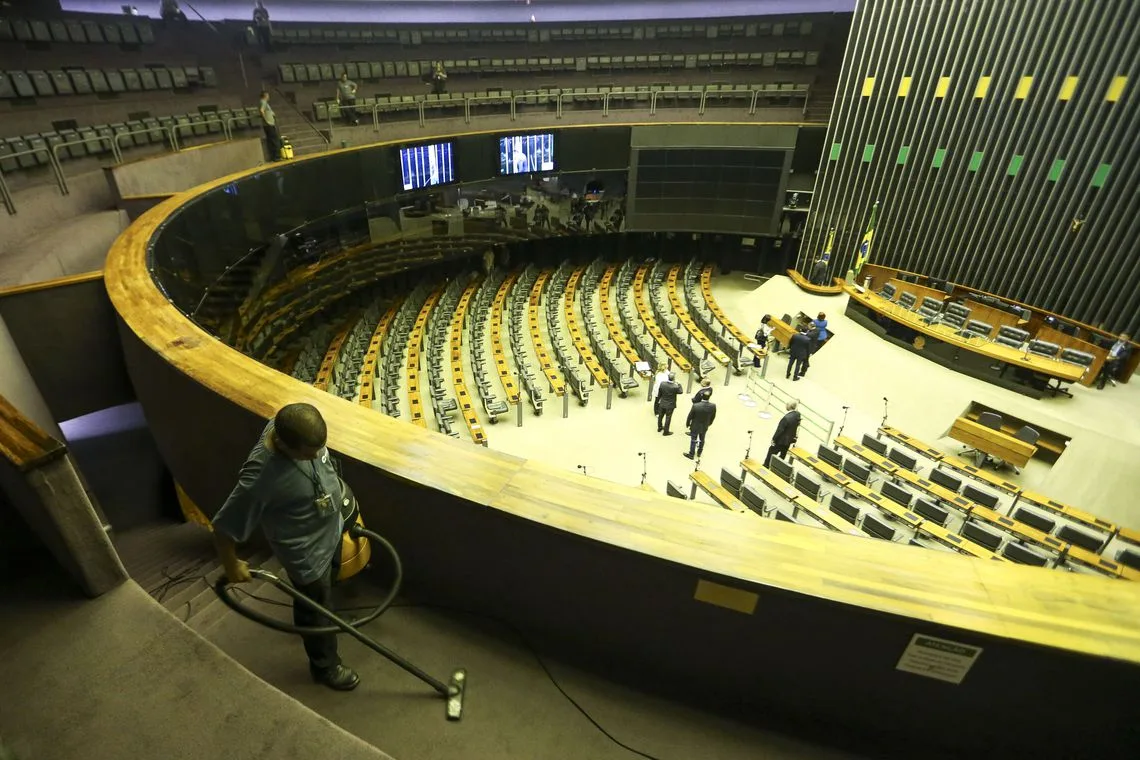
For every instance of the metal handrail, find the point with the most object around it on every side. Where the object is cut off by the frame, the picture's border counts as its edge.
(764, 391)
(299, 112)
(176, 127)
(9, 204)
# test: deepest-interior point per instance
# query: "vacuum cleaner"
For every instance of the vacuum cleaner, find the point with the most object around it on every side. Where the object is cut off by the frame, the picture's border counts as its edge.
(355, 553)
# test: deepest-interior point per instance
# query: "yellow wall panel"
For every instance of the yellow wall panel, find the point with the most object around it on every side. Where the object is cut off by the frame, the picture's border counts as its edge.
(1023, 88)
(1069, 87)
(868, 86)
(1116, 89)
(983, 87)
(942, 88)
(904, 87)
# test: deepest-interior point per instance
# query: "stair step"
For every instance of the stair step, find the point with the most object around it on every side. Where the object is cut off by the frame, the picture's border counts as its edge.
(211, 613)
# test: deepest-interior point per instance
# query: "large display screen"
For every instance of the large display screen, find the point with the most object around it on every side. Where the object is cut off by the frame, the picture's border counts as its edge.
(426, 165)
(525, 154)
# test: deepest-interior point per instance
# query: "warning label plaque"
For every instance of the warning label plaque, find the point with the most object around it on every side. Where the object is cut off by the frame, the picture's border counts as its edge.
(932, 657)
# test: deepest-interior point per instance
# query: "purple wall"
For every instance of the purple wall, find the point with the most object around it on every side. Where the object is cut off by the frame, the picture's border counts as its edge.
(476, 11)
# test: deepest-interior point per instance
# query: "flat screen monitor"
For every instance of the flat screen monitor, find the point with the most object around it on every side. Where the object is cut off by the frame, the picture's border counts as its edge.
(427, 165)
(526, 154)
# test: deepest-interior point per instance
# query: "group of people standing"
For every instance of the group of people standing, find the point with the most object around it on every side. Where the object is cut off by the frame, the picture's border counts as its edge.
(702, 412)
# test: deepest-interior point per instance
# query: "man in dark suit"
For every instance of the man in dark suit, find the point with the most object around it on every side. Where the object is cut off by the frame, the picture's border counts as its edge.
(1114, 363)
(786, 432)
(667, 402)
(799, 349)
(700, 418)
(704, 393)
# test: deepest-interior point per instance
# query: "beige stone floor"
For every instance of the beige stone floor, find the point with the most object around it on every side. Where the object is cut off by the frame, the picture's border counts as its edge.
(1099, 472)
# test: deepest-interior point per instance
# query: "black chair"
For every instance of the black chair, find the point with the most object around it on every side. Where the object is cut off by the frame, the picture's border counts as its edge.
(875, 527)
(982, 497)
(807, 486)
(1044, 348)
(782, 468)
(900, 457)
(1071, 535)
(730, 481)
(897, 494)
(888, 291)
(781, 516)
(844, 509)
(1129, 558)
(674, 490)
(874, 444)
(907, 301)
(1023, 556)
(752, 499)
(981, 536)
(930, 310)
(931, 511)
(1014, 337)
(976, 329)
(856, 471)
(955, 315)
(1034, 520)
(946, 480)
(831, 456)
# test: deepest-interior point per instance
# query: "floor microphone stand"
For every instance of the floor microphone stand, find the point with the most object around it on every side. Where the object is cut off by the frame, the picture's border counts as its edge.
(843, 424)
(883, 424)
(644, 466)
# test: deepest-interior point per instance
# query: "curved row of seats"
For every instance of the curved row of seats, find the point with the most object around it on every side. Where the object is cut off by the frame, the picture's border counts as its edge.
(482, 309)
(364, 71)
(580, 384)
(83, 81)
(81, 31)
(367, 34)
(106, 139)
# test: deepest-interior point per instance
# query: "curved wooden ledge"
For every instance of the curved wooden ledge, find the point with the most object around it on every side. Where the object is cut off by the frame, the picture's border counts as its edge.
(419, 476)
(834, 289)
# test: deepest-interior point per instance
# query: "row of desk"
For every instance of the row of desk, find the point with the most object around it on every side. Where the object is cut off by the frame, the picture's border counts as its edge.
(372, 356)
(557, 384)
(799, 500)
(612, 327)
(580, 342)
(506, 377)
(415, 351)
(687, 321)
(1013, 489)
(706, 291)
(971, 508)
(462, 396)
(328, 363)
(650, 323)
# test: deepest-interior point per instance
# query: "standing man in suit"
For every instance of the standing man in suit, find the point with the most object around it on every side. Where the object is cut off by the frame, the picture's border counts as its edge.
(799, 349)
(704, 393)
(700, 419)
(667, 403)
(1114, 364)
(661, 377)
(787, 431)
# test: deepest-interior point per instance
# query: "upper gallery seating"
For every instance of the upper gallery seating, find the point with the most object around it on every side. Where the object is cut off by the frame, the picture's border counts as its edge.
(126, 31)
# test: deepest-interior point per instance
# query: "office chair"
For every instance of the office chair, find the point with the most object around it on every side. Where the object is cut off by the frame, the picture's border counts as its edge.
(907, 300)
(955, 315)
(1044, 348)
(991, 420)
(976, 329)
(888, 291)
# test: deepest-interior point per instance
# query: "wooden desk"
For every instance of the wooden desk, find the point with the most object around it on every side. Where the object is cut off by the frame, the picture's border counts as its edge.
(988, 351)
(506, 377)
(799, 500)
(1064, 340)
(992, 442)
(1064, 510)
(580, 341)
(719, 493)
(557, 384)
(993, 316)
(718, 313)
(919, 291)
(782, 332)
(415, 348)
(462, 397)
(624, 347)
(834, 289)
(328, 364)
(687, 321)
(375, 351)
(651, 327)
(769, 478)
(951, 462)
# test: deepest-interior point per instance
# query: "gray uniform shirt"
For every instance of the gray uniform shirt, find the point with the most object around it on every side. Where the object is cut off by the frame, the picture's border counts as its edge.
(267, 115)
(280, 494)
(347, 88)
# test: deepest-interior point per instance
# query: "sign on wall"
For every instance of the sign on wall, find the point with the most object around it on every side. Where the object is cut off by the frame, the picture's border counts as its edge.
(942, 659)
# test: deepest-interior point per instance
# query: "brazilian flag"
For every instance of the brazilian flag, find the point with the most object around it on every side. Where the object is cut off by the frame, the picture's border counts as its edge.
(864, 252)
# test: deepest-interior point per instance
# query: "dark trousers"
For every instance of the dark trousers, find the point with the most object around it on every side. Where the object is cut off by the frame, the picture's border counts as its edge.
(796, 367)
(264, 36)
(697, 441)
(321, 649)
(776, 448)
(348, 110)
(1110, 371)
(664, 417)
(272, 141)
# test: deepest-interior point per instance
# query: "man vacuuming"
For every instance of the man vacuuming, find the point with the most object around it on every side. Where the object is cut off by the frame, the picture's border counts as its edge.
(290, 488)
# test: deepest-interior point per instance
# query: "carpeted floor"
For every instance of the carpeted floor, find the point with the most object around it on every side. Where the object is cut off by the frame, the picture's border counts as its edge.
(513, 710)
(119, 677)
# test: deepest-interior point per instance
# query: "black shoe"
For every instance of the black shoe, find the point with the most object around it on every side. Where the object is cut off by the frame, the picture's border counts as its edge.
(339, 678)
(668, 432)
(795, 378)
(658, 428)
(688, 455)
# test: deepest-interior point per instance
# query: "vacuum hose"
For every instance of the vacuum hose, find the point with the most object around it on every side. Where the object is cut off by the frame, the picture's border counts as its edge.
(223, 588)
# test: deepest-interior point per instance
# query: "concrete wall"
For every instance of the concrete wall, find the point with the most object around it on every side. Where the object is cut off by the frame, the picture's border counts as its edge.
(18, 386)
(174, 172)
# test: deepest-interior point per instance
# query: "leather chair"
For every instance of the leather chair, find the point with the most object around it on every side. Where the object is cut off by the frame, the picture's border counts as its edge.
(976, 329)
(955, 315)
